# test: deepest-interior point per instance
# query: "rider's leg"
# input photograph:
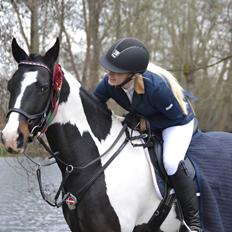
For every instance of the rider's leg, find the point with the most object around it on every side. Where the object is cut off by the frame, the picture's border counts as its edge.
(176, 142)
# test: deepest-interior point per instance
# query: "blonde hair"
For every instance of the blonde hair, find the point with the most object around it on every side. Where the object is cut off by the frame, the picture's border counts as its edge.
(172, 81)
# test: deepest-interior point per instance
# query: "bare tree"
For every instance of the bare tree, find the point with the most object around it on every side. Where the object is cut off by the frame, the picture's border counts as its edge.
(33, 6)
(91, 12)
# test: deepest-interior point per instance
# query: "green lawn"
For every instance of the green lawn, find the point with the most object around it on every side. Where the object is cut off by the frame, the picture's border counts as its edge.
(2, 150)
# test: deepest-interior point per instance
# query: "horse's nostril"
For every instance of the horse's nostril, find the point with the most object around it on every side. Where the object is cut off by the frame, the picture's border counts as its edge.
(20, 140)
(10, 150)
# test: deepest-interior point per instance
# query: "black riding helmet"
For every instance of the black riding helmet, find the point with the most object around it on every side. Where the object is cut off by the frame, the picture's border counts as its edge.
(127, 55)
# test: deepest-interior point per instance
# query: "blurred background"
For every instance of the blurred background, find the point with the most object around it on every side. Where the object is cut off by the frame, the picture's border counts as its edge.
(190, 38)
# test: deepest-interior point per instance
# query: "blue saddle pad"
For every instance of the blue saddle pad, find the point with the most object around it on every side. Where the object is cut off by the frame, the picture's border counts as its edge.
(211, 154)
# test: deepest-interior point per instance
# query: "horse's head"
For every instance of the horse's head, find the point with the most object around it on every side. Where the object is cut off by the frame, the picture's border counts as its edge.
(30, 90)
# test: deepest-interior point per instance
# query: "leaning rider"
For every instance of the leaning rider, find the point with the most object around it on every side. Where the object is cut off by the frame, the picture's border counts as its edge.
(158, 97)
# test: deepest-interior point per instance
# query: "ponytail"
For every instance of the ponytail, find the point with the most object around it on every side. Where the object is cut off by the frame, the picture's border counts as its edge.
(174, 84)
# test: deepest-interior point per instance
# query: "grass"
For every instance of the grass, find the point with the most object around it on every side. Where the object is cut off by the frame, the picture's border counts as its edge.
(32, 150)
(3, 152)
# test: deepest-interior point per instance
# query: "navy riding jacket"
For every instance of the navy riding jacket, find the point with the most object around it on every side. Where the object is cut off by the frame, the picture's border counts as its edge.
(157, 102)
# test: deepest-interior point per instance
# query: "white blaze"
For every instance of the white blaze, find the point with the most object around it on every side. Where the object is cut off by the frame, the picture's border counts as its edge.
(10, 133)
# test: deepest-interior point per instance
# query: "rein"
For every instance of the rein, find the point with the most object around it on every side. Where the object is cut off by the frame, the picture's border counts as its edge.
(70, 170)
(46, 118)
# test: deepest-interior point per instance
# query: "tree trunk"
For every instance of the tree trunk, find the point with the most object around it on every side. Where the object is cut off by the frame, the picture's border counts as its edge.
(33, 5)
(91, 17)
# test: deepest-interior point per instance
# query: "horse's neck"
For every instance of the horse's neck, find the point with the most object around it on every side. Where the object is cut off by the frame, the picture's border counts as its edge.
(81, 121)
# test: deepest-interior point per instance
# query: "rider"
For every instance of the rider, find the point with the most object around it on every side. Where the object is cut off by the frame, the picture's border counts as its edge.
(158, 96)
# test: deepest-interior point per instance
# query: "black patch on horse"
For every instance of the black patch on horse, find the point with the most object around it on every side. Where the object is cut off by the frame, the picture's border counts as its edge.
(97, 114)
(94, 212)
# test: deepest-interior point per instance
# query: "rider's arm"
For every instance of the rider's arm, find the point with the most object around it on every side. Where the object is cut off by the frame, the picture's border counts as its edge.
(165, 102)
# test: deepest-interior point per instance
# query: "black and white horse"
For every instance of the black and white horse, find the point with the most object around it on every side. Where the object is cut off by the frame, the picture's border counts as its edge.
(124, 196)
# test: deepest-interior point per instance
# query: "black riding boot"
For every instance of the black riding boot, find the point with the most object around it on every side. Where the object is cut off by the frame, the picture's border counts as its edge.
(186, 194)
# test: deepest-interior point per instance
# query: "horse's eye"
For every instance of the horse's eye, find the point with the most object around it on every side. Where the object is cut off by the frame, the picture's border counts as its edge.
(44, 89)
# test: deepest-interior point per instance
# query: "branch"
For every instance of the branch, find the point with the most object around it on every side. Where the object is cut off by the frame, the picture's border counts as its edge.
(20, 23)
(203, 66)
(213, 64)
(63, 29)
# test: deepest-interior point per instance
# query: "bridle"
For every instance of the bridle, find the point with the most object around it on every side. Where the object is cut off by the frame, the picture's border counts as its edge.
(42, 117)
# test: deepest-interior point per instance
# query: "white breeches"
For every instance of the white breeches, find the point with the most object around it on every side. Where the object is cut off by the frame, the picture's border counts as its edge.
(176, 140)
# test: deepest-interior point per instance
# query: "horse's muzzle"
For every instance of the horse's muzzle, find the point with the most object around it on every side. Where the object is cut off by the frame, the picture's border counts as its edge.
(15, 140)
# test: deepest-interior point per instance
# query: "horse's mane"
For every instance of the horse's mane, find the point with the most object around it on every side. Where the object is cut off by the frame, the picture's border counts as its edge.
(97, 114)
(95, 102)
(34, 56)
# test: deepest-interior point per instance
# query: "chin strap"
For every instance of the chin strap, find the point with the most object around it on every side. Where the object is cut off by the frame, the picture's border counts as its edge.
(126, 81)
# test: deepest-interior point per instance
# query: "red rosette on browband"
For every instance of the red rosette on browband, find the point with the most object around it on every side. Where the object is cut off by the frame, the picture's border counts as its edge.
(57, 78)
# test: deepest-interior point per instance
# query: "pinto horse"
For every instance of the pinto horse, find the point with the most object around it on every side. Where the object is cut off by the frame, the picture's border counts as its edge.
(123, 197)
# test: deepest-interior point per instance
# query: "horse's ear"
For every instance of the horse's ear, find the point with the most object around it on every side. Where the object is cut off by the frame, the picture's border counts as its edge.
(52, 54)
(18, 53)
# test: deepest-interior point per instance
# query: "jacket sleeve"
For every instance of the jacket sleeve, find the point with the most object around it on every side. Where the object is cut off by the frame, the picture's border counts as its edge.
(101, 91)
(165, 102)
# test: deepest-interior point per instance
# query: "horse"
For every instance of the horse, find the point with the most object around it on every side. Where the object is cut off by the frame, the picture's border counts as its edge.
(107, 183)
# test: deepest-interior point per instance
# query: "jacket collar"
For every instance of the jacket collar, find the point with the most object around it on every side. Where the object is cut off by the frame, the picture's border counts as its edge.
(139, 84)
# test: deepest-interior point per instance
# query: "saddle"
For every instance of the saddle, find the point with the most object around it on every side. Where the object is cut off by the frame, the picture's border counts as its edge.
(156, 156)
(153, 142)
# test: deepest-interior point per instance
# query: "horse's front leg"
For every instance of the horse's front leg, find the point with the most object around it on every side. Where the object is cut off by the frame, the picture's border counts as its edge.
(71, 218)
